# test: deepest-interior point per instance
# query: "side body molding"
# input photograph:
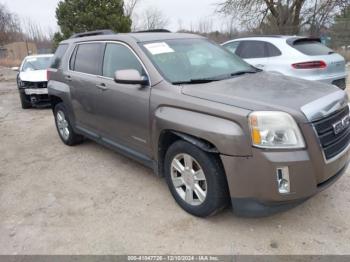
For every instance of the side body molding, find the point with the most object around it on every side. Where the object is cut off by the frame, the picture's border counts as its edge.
(227, 136)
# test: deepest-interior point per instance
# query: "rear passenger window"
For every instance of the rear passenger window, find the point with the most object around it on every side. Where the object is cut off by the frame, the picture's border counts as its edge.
(57, 59)
(232, 47)
(72, 59)
(272, 50)
(119, 57)
(251, 49)
(89, 58)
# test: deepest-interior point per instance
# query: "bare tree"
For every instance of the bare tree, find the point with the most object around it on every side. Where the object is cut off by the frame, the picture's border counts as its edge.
(10, 28)
(129, 7)
(205, 25)
(34, 32)
(153, 18)
(288, 16)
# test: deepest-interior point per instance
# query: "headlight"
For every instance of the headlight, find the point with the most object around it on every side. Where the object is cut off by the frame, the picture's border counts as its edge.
(271, 129)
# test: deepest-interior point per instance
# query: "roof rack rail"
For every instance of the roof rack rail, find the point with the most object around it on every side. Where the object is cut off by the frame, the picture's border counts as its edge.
(154, 31)
(93, 33)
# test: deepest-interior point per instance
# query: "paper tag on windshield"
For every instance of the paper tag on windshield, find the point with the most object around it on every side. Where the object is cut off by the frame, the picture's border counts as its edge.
(159, 48)
(31, 59)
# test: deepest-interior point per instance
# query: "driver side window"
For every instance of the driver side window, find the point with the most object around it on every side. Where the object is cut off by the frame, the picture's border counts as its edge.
(119, 57)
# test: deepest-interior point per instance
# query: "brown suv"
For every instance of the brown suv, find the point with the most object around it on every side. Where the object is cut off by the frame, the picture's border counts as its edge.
(219, 130)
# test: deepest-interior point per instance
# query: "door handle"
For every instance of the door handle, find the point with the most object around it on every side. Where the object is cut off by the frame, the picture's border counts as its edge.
(259, 66)
(68, 78)
(102, 87)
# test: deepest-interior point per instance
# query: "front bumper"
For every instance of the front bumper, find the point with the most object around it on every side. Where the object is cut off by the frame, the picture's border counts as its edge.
(253, 181)
(38, 98)
(339, 80)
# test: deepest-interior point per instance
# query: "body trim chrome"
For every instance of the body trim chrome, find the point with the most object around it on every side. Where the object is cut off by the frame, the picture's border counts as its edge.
(325, 106)
(328, 161)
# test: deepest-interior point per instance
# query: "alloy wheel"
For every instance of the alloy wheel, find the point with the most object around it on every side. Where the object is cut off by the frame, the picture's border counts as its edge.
(189, 179)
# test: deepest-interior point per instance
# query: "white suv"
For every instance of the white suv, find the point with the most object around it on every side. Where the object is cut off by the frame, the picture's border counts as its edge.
(300, 57)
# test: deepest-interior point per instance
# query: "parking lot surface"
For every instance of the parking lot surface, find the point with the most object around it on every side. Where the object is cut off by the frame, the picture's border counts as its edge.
(87, 199)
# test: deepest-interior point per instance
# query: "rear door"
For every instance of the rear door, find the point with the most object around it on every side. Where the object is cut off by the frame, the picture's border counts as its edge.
(85, 70)
(253, 52)
(124, 107)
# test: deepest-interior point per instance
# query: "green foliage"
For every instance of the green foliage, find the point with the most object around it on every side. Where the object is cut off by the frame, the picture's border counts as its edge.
(75, 16)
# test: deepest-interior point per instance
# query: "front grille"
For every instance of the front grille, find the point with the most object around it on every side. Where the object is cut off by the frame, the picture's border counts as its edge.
(332, 143)
(34, 84)
(341, 83)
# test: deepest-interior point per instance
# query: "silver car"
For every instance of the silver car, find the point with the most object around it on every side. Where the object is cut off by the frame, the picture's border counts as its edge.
(300, 57)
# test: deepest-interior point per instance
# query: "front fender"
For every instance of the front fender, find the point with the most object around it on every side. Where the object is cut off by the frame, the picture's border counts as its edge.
(227, 136)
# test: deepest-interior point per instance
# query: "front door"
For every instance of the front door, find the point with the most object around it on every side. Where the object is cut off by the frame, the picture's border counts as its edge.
(124, 108)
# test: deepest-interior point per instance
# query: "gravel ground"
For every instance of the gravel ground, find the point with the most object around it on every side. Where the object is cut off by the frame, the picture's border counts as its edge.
(89, 200)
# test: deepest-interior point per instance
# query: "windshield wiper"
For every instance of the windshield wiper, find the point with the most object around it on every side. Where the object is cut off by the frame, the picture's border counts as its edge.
(243, 72)
(218, 78)
(196, 81)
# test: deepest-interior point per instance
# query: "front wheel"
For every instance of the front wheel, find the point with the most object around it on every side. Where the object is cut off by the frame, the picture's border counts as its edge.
(25, 102)
(64, 128)
(196, 179)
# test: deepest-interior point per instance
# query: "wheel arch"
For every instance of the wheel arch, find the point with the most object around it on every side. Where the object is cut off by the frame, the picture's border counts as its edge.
(169, 137)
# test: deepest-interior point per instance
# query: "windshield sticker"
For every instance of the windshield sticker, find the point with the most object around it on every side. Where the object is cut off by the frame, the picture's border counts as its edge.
(159, 48)
(31, 60)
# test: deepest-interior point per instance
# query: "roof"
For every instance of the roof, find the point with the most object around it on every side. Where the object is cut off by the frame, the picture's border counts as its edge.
(147, 37)
(138, 37)
(289, 39)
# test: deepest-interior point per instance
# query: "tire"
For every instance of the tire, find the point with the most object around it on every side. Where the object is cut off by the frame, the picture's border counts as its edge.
(210, 195)
(64, 127)
(24, 100)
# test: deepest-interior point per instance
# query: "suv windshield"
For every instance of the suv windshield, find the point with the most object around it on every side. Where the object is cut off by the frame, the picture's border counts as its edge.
(195, 61)
(37, 63)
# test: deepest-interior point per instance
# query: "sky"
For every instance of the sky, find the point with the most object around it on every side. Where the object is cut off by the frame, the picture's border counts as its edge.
(42, 12)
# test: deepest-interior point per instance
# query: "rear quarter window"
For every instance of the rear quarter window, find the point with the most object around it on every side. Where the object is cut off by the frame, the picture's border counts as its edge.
(57, 59)
(312, 48)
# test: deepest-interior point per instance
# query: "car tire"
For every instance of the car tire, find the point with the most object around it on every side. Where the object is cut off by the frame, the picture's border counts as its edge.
(24, 100)
(64, 127)
(199, 195)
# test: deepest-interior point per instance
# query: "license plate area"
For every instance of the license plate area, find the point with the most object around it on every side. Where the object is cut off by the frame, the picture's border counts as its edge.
(36, 91)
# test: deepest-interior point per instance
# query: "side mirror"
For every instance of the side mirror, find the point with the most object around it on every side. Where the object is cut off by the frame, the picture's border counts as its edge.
(130, 77)
(16, 68)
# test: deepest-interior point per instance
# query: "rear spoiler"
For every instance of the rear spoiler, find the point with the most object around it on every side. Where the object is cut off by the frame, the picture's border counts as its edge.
(297, 40)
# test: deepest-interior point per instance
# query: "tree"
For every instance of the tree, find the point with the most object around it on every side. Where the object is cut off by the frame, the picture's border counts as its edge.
(75, 16)
(154, 19)
(10, 29)
(288, 16)
(340, 30)
(129, 7)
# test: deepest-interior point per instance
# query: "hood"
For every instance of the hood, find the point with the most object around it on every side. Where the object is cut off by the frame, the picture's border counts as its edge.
(33, 76)
(305, 100)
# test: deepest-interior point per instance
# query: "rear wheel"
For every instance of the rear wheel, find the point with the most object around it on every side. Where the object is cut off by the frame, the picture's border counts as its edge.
(196, 179)
(64, 128)
(25, 102)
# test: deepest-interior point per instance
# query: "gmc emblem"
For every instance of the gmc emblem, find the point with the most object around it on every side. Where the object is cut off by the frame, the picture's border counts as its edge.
(341, 125)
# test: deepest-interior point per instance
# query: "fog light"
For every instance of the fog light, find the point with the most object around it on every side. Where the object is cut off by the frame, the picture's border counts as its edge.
(283, 180)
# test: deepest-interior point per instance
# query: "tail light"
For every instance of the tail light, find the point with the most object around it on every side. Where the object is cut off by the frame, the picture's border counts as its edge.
(48, 75)
(310, 65)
